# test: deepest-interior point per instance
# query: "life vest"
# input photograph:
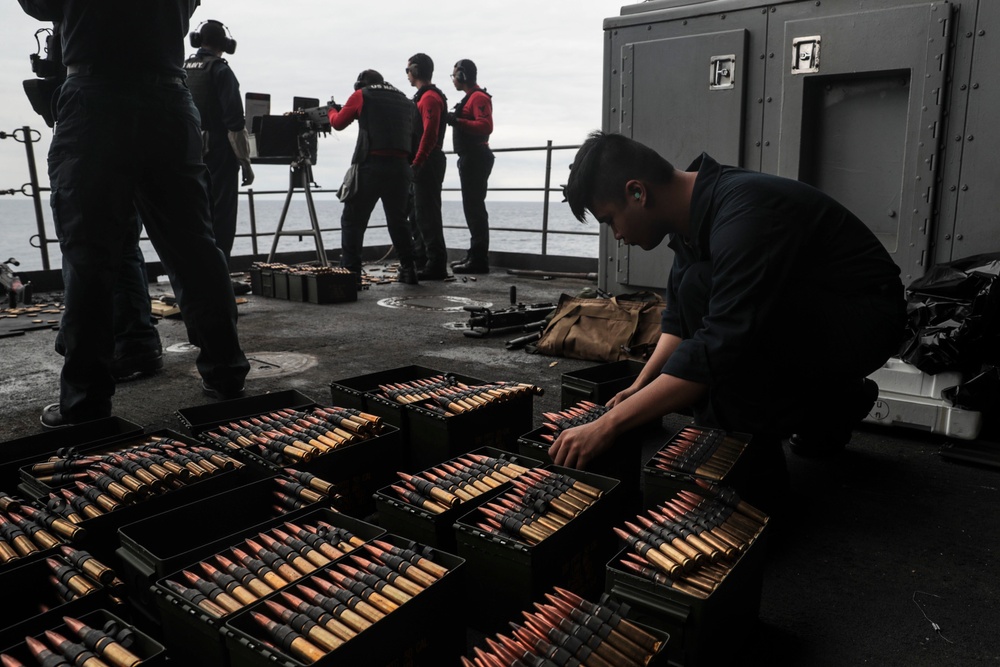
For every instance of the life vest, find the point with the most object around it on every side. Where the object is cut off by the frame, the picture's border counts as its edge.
(462, 139)
(387, 117)
(199, 81)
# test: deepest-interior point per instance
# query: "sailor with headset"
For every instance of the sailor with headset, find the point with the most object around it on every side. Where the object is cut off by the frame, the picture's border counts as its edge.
(472, 121)
(216, 93)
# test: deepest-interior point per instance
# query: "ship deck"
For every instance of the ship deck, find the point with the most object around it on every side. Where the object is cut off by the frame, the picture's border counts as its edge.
(881, 546)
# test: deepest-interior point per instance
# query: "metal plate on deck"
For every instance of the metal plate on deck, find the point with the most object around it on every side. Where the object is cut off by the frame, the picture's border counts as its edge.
(276, 364)
(435, 303)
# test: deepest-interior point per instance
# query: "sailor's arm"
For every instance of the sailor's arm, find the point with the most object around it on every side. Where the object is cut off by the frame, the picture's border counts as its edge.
(342, 116)
(43, 10)
(578, 446)
(240, 142)
(665, 346)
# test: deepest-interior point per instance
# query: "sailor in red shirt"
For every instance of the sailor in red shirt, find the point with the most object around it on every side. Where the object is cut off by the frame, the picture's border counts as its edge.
(386, 118)
(473, 123)
(429, 165)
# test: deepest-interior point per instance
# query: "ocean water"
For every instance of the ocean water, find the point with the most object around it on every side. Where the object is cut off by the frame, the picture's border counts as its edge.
(18, 226)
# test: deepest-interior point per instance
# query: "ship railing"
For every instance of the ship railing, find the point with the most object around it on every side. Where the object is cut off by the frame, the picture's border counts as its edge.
(41, 240)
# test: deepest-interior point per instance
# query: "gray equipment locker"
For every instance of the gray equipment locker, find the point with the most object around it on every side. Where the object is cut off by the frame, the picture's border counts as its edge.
(884, 104)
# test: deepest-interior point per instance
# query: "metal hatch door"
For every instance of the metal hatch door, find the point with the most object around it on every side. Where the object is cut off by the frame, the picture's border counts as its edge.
(681, 96)
(861, 109)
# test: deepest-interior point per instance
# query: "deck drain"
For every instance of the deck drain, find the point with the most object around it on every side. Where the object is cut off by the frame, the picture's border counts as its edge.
(435, 303)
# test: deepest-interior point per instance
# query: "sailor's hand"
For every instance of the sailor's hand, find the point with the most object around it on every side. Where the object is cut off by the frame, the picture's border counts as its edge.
(578, 446)
(247, 172)
(624, 394)
(449, 118)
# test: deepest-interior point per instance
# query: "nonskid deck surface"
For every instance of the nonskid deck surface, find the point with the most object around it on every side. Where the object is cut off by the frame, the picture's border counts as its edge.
(304, 346)
(873, 540)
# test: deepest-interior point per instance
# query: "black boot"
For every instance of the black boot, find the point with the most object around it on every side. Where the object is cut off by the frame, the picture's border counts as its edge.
(472, 266)
(407, 274)
(433, 273)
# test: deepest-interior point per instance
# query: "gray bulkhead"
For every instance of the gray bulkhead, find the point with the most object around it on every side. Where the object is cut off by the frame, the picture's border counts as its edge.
(884, 104)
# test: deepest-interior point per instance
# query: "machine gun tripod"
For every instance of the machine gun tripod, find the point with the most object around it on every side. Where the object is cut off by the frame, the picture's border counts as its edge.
(276, 137)
(300, 176)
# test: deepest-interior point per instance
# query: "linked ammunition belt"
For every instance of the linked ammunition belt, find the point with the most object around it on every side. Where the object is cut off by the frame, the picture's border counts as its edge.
(691, 542)
(570, 630)
(98, 647)
(709, 453)
(95, 484)
(244, 573)
(453, 482)
(286, 437)
(583, 412)
(444, 395)
(541, 503)
(332, 606)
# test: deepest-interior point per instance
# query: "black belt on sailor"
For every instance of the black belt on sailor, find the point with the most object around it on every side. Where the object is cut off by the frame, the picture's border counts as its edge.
(86, 69)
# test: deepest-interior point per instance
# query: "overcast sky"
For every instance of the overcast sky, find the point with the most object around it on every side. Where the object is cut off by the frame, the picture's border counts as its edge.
(541, 60)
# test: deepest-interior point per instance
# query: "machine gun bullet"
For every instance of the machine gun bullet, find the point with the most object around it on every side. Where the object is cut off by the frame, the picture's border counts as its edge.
(75, 654)
(288, 639)
(102, 644)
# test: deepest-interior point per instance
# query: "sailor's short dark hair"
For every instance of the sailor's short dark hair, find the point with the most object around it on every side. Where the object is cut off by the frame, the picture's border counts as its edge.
(368, 77)
(424, 64)
(604, 164)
